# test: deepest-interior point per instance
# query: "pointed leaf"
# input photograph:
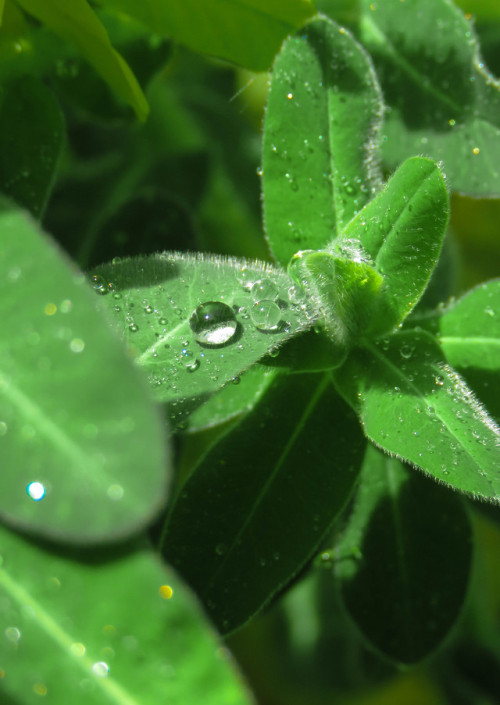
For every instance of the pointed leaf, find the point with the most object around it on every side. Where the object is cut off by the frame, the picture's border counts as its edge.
(469, 329)
(413, 405)
(402, 231)
(76, 422)
(126, 631)
(406, 583)
(320, 149)
(248, 518)
(30, 148)
(246, 32)
(444, 102)
(195, 323)
(82, 27)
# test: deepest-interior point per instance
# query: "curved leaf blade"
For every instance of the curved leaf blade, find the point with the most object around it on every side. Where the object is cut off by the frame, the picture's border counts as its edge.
(30, 148)
(82, 27)
(416, 407)
(444, 102)
(248, 518)
(320, 149)
(76, 420)
(153, 301)
(402, 231)
(405, 572)
(246, 32)
(69, 632)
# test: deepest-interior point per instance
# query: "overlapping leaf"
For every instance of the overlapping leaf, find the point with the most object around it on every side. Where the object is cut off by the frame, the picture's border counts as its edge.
(320, 149)
(83, 449)
(126, 631)
(413, 405)
(406, 557)
(160, 304)
(246, 32)
(444, 102)
(258, 503)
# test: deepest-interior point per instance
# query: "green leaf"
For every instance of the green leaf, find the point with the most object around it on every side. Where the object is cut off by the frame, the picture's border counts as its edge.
(405, 559)
(76, 422)
(413, 405)
(469, 329)
(249, 516)
(246, 32)
(195, 323)
(320, 148)
(124, 631)
(30, 148)
(444, 102)
(82, 27)
(401, 232)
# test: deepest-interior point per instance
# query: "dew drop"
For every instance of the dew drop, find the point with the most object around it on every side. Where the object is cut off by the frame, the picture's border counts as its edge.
(133, 327)
(265, 315)
(35, 491)
(193, 366)
(13, 634)
(213, 323)
(406, 351)
(99, 285)
(263, 289)
(100, 669)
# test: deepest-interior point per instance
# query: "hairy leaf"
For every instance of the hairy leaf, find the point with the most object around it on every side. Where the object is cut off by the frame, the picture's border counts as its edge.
(405, 559)
(444, 102)
(195, 323)
(123, 631)
(413, 405)
(259, 502)
(320, 149)
(246, 32)
(83, 449)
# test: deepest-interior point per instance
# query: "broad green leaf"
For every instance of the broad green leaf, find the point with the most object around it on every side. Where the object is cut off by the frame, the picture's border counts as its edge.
(444, 102)
(259, 502)
(320, 149)
(246, 32)
(401, 231)
(125, 632)
(469, 329)
(30, 148)
(76, 422)
(82, 27)
(413, 405)
(407, 552)
(195, 323)
(237, 397)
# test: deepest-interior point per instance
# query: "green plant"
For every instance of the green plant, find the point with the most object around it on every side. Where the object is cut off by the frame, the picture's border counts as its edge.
(324, 399)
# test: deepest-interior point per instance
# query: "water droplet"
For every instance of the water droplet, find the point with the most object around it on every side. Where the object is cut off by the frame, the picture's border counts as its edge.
(166, 592)
(115, 492)
(264, 289)
(236, 380)
(476, 150)
(274, 352)
(100, 286)
(100, 669)
(406, 351)
(13, 634)
(266, 315)
(220, 549)
(78, 649)
(133, 327)
(77, 345)
(193, 366)
(148, 308)
(35, 491)
(162, 321)
(213, 323)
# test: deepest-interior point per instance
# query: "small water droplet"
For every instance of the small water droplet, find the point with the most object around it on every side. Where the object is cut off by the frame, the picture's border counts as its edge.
(263, 289)
(220, 549)
(13, 634)
(100, 286)
(266, 315)
(213, 323)
(100, 669)
(35, 491)
(406, 351)
(133, 327)
(192, 366)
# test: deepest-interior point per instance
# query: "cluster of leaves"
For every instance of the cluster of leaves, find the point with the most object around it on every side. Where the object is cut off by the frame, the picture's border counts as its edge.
(315, 372)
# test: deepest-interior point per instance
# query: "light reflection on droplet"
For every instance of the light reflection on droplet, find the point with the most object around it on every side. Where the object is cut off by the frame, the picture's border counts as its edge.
(13, 634)
(100, 669)
(35, 491)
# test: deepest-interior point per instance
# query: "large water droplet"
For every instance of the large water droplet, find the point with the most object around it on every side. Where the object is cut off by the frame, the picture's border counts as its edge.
(213, 323)
(266, 315)
(264, 289)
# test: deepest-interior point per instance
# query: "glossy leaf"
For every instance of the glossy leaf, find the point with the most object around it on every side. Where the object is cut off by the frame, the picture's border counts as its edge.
(246, 32)
(250, 516)
(76, 422)
(469, 329)
(125, 631)
(401, 231)
(194, 323)
(407, 557)
(444, 102)
(320, 148)
(82, 27)
(413, 405)
(30, 149)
